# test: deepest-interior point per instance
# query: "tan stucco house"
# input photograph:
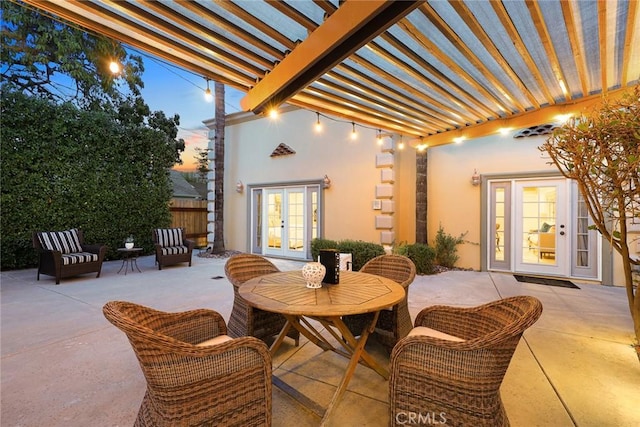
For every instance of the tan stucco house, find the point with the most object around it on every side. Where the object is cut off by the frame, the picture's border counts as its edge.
(287, 182)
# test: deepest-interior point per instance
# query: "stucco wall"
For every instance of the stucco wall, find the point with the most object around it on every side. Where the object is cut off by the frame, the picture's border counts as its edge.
(454, 202)
(351, 166)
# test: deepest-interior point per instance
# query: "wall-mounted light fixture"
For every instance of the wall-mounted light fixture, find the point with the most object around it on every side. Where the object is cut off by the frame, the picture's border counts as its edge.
(326, 182)
(475, 178)
(239, 187)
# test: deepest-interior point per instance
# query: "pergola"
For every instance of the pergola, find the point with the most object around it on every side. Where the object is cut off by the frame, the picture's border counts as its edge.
(432, 70)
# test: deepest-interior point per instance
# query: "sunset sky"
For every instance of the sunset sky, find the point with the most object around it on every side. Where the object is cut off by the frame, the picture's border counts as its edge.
(175, 91)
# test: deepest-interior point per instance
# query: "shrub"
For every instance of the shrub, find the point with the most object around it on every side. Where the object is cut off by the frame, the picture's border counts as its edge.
(318, 244)
(64, 168)
(361, 251)
(446, 248)
(422, 256)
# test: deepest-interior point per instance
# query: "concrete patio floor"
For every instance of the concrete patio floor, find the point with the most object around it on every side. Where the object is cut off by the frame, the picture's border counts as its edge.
(63, 364)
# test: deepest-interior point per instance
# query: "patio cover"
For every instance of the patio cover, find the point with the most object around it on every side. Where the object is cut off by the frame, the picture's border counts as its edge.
(429, 70)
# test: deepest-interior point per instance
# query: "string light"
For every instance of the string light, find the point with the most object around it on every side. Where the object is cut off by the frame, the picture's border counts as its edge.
(207, 93)
(273, 113)
(318, 124)
(354, 133)
(114, 67)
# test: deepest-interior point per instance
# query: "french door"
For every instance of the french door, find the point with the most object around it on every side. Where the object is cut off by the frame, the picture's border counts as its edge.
(540, 227)
(285, 220)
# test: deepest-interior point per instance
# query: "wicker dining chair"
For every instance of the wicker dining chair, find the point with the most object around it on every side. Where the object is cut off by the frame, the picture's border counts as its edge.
(246, 320)
(395, 322)
(196, 374)
(452, 364)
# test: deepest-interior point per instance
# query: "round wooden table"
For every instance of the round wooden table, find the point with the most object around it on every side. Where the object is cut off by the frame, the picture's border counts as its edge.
(286, 293)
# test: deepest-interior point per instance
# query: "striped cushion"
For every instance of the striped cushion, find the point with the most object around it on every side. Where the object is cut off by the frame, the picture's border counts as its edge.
(66, 241)
(168, 237)
(79, 258)
(173, 250)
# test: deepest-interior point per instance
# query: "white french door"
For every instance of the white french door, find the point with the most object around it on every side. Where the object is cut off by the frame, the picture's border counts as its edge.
(285, 220)
(540, 226)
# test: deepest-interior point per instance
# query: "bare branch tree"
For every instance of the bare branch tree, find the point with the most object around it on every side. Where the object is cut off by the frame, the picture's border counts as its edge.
(601, 152)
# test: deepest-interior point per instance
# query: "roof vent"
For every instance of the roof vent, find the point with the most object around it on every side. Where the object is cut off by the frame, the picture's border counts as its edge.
(536, 130)
(282, 150)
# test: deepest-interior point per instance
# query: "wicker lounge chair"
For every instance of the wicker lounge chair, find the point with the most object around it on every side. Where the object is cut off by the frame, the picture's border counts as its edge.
(454, 369)
(196, 375)
(394, 323)
(172, 246)
(246, 320)
(64, 254)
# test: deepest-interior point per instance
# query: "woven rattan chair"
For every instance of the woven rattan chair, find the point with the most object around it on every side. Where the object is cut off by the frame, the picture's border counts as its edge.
(246, 320)
(455, 368)
(196, 374)
(394, 323)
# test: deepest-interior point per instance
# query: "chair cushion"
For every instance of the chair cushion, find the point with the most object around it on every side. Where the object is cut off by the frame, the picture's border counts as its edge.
(174, 250)
(66, 241)
(215, 341)
(168, 237)
(79, 258)
(424, 331)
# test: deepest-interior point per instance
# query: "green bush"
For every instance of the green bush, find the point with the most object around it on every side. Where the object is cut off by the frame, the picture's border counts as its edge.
(317, 244)
(423, 257)
(446, 248)
(103, 172)
(360, 251)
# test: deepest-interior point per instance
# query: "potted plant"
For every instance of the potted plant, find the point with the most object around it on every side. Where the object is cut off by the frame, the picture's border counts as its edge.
(128, 242)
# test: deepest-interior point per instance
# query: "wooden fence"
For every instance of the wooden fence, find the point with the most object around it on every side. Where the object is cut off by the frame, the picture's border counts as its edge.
(192, 215)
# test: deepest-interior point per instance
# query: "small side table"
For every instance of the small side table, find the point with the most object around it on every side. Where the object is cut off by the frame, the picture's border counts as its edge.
(129, 259)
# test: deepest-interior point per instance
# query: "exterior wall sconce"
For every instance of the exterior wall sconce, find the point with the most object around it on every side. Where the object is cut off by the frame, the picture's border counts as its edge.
(239, 187)
(326, 182)
(475, 178)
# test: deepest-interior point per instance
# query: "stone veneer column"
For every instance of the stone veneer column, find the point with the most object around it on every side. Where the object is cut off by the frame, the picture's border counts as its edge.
(211, 135)
(385, 221)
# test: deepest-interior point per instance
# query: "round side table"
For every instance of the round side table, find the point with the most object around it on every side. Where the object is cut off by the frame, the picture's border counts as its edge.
(129, 259)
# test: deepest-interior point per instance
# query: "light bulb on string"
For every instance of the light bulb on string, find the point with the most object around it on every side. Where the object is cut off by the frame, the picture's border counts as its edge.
(273, 113)
(401, 143)
(354, 134)
(114, 67)
(318, 126)
(379, 136)
(207, 93)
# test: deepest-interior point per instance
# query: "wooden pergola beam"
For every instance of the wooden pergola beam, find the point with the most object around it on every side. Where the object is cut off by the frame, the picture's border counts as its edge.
(349, 28)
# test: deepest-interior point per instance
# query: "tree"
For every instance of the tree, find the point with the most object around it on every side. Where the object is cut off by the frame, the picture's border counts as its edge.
(42, 56)
(202, 160)
(218, 203)
(601, 152)
(421, 196)
(64, 167)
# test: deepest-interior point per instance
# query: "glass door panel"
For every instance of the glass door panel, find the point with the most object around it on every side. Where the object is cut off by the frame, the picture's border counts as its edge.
(541, 227)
